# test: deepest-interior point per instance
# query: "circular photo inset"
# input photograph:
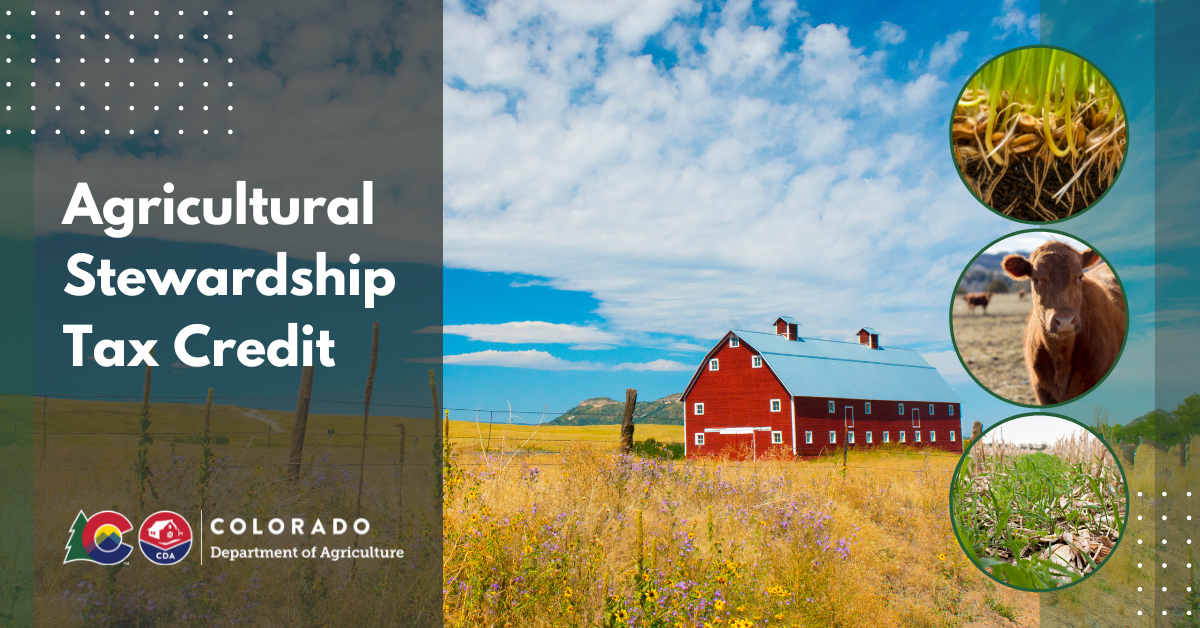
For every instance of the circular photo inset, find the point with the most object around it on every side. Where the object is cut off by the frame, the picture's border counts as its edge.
(1038, 134)
(1039, 318)
(1038, 502)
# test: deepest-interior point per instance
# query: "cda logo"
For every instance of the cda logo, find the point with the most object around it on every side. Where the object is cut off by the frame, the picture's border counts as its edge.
(98, 538)
(165, 537)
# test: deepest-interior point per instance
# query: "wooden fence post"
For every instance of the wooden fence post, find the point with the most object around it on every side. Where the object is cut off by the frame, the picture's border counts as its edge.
(977, 456)
(303, 400)
(627, 420)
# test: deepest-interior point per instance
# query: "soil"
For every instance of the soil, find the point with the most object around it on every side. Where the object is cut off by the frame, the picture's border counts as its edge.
(992, 345)
(1016, 191)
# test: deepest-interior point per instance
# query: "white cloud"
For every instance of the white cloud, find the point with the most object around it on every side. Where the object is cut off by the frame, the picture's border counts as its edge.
(1014, 20)
(527, 332)
(543, 361)
(656, 365)
(737, 187)
(527, 359)
(947, 53)
(890, 34)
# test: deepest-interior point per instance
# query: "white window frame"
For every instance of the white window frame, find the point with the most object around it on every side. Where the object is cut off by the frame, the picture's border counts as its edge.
(887, 436)
(952, 435)
(867, 407)
(931, 409)
(756, 362)
(776, 405)
(850, 437)
(777, 437)
(900, 409)
(917, 436)
(808, 438)
(932, 436)
(698, 408)
(870, 439)
(713, 365)
(903, 438)
(951, 409)
(734, 343)
(699, 439)
(832, 437)
(832, 407)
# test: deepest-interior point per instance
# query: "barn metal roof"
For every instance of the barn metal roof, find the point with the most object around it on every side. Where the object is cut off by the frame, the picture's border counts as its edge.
(870, 330)
(789, 320)
(810, 367)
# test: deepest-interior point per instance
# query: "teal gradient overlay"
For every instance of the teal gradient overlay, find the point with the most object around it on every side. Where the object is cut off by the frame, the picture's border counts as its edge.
(16, 319)
(1177, 299)
(1119, 36)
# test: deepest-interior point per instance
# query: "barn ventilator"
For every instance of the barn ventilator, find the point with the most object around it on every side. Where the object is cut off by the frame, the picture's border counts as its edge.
(1039, 134)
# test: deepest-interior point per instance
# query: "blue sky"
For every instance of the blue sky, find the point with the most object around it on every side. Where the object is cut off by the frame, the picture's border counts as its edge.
(624, 184)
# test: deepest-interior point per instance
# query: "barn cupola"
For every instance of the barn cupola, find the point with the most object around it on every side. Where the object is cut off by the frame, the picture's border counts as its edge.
(787, 327)
(868, 337)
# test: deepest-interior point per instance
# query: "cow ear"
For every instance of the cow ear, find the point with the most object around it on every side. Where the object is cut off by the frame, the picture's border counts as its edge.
(1017, 267)
(1090, 258)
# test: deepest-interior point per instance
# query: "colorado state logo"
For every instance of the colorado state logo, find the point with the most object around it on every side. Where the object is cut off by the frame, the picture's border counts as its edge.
(165, 537)
(98, 538)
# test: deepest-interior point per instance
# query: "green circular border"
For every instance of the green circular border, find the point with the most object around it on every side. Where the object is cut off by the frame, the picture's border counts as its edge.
(1124, 157)
(954, 339)
(971, 554)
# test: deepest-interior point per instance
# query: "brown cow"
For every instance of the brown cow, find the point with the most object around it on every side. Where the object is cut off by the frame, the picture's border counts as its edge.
(1077, 321)
(1021, 294)
(978, 298)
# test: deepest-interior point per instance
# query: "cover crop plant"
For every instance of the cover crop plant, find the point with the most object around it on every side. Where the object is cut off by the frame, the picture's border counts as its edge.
(1039, 519)
(1039, 134)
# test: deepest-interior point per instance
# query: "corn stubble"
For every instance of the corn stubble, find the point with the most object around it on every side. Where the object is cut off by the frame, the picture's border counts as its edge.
(1040, 519)
(1039, 134)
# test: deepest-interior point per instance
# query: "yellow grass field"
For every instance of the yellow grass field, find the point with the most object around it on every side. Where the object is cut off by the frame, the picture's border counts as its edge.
(469, 436)
(992, 345)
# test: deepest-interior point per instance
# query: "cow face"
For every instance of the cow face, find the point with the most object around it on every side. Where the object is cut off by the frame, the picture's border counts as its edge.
(1055, 272)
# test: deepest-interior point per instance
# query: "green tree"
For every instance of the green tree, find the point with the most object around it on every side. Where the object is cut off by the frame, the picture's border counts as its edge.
(998, 285)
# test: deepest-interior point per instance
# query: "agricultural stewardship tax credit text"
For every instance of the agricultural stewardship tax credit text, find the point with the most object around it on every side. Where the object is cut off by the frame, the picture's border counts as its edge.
(122, 213)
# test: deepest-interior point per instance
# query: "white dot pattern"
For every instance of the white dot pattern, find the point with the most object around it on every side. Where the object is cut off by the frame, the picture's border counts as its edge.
(91, 42)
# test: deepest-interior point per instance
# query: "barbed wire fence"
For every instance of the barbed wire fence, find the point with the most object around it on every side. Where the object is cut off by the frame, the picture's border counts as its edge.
(473, 415)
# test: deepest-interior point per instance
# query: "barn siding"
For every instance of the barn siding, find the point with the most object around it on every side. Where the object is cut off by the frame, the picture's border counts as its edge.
(812, 414)
(736, 395)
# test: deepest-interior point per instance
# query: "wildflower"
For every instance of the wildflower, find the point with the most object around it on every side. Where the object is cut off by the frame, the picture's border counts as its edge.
(621, 614)
(567, 593)
(941, 557)
(719, 605)
(651, 594)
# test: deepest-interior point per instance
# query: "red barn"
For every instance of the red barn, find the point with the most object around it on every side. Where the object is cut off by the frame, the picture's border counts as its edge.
(759, 392)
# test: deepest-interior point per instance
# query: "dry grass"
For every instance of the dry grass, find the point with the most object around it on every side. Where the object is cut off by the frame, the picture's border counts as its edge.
(93, 472)
(992, 345)
(468, 436)
(555, 540)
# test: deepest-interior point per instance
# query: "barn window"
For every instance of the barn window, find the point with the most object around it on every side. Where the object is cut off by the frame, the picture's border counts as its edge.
(831, 410)
(712, 364)
(917, 435)
(869, 439)
(777, 438)
(776, 406)
(951, 435)
(951, 409)
(734, 343)
(832, 436)
(699, 438)
(931, 409)
(699, 409)
(850, 437)
(756, 361)
(867, 408)
(887, 437)
(808, 438)
(902, 436)
(932, 436)
(899, 407)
